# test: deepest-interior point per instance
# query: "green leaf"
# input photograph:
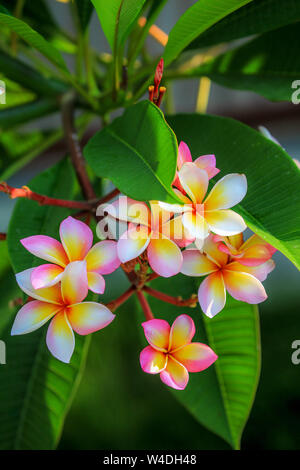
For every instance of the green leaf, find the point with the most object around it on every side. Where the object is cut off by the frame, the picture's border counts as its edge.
(37, 389)
(221, 397)
(271, 207)
(85, 9)
(137, 152)
(257, 17)
(117, 18)
(195, 21)
(268, 65)
(26, 112)
(33, 38)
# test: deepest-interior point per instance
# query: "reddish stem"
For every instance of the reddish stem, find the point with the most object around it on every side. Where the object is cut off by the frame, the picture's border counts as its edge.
(120, 300)
(152, 276)
(3, 236)
(162, 91)
(108, 196)
(25, 192)
(191, 302)
(145, 306)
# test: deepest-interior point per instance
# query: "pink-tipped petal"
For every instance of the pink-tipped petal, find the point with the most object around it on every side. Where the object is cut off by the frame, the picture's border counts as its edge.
(194, 181)
(207, 163)
(152, 361)
(255, 255)
(260, 272)
(76, 237)
(227, 192)
(103, 257)
(60, 338)
(96, 282)
(165, 257)
(182, 332)
(74, 283)
(212, 294)
(225, 222)
(48, 294)
(243, 286)
(46, 248)
(211, 249)
(88, 317)
(175, 375)
(46, 275)
(32, 316)
(176, 231)
(195, 224)
(196, 264)
(129, 210)
(157, 333)
(195, 357)
(184, 155)
(133, 243)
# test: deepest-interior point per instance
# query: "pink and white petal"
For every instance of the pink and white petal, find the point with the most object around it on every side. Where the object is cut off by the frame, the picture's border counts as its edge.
(195, 357)
(159, 216)
(243, 286)
(165, 257)
(60, 338)
(184, 155)
(194, 181)
(176, 208)
(133, 243)
(88, 317)
(212, 294)
(255, 255)
(32, 316)
(227, 192)
(48, 294)
(103, 257)
(182, 332)
(195, 224)
(260, 272)
(225, 222)
(157, 333)
(46, 248)
(153, 361)
(74, 283)
(175, 375)
(46, 275)
(176, 231)
(197, 264)
(76, 237)
(211, 249)
(96, 282)
(129, 210)
(207, 163)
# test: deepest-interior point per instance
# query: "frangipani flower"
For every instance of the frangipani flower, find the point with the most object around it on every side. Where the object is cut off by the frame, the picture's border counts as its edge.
(171, 352)
(76, 245)
(242, 282)
(62, 303)
(205, 162)
(153, 230)
(202, 215)
(253, 252)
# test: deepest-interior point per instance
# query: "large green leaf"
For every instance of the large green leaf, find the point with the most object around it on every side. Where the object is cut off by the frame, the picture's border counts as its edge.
(33, 38)
(257, 17)
(36, 389)
(137, 152)
(271, 207)
(268, 65)
(195, 21)
(85, 10)
(221, 397)
(116, 18)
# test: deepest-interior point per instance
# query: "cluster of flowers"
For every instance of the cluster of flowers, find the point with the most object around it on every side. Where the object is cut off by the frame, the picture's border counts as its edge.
(198, 236)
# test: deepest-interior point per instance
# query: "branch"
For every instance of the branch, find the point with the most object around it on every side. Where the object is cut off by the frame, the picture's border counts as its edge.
(178, 301)
(74, 146)
(43, 200)
(145, 306)
(120, 300)
(108, 196)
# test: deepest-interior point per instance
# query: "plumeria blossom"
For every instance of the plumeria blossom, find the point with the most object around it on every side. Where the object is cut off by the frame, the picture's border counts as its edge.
(203, 214)
(63, 304)
(205, 162)
(253, 252)
(154, 230)
(76, 245)
(172, 354)
(242, 282)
